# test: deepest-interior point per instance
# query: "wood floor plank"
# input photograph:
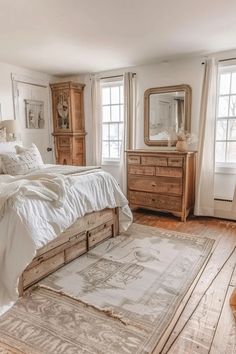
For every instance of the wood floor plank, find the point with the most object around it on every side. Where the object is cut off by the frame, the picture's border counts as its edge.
(225, 336)
(224, 233)
(233, 280)
(198, 334)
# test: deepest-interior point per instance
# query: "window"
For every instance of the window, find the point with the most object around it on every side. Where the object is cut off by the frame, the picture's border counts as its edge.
(225, 150)
(112, 119)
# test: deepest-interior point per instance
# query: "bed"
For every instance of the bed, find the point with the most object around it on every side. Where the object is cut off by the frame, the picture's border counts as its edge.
(51, 216)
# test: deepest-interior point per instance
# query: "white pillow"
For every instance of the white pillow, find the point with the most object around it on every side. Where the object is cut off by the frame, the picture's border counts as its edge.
(24, 161)
(3, 135)
(6, 147)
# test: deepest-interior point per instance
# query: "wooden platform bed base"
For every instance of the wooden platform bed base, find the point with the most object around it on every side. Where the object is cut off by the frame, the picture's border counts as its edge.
(78, 239)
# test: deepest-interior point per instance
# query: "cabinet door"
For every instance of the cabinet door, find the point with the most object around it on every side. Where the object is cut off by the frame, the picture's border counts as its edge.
(77, 111)
(61, 110)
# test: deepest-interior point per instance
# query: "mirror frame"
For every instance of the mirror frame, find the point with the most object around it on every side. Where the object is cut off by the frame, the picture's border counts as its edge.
(187, 106)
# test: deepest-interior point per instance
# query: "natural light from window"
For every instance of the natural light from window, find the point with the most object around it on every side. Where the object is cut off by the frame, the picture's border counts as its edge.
(112, 120)
(225, 150)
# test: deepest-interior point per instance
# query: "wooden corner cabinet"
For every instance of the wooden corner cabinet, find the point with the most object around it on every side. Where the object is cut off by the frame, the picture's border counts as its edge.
(162, 181)
(68, 123)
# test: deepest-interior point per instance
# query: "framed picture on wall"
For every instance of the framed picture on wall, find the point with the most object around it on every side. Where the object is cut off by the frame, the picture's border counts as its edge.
(34, 111)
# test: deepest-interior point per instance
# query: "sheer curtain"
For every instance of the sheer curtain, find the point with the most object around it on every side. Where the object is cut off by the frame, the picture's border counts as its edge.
(96, 120)
(204, 204)
(129, 126)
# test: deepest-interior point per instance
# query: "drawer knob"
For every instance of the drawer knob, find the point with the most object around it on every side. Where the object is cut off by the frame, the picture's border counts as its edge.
(153, 200)
(153, 184)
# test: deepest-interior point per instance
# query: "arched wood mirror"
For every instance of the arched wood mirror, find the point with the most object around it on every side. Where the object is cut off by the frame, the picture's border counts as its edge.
(166, 111)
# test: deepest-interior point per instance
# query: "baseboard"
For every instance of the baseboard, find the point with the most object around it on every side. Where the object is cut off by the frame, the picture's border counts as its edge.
(223, 209)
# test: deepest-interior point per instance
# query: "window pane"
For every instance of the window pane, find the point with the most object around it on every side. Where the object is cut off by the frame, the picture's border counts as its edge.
(115, 94)
(106, 95)
(114, 149)
(114, 131)
(105, 149)
(115, 113)
(121, 131)
(220, 152)
(232, 106)
(121, 94)
(105, 132)
(233, 83)
(106, 116)
(122, 113)
(231, 152)
(232, 129)
(221, 129)
(223, 106)
(224, 83)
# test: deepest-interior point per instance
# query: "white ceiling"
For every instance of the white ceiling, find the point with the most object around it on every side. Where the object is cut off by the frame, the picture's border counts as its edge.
(75, 36)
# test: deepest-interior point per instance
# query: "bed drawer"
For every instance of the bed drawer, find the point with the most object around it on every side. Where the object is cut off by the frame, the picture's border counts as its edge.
(155, 201)
(164, 185)
(32, 275)
(76, 250)
(100, 233)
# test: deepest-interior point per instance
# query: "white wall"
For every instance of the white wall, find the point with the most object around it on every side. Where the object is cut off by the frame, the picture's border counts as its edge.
(188, 71)
(6, 97)
(183, 71)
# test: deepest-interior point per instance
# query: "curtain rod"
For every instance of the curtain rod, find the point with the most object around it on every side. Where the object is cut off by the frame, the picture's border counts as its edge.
(226, 59)
(112, 77)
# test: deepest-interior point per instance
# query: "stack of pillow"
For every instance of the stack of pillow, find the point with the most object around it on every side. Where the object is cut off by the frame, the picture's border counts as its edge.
(17, 160)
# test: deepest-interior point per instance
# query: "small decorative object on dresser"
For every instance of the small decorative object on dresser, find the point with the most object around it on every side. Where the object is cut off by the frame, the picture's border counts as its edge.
(162, 181)
(68, 121)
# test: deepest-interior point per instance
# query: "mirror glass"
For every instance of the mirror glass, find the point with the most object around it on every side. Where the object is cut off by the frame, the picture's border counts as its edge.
(167, 111)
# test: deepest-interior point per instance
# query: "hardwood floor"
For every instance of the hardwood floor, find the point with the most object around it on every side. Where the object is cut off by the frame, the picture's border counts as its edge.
(206, 325)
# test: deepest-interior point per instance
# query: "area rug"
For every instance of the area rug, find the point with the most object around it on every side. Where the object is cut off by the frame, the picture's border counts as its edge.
(46, 322)
(141, 278)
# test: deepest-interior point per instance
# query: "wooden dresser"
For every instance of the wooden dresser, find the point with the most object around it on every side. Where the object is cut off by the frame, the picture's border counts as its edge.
(68, 122)
(161, 180)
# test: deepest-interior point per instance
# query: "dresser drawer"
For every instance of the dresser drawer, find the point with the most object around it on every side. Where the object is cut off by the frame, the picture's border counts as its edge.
(154, 160)
(164, 185)
(169, 171)
(155, 201)
(133, 160)
(175, 161)
(141, 170)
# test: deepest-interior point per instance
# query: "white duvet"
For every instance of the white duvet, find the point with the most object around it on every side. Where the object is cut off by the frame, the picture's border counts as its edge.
(34, 209)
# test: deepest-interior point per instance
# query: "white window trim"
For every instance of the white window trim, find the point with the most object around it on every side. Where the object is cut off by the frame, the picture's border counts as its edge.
(110, 82)
(224, 167)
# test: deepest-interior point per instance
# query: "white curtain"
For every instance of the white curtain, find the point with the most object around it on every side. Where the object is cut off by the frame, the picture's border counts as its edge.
(96, 120)
(204, 204)
(129, 126)
(234, 200)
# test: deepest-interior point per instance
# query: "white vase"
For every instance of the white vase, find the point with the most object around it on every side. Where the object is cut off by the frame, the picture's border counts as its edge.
(181, 145)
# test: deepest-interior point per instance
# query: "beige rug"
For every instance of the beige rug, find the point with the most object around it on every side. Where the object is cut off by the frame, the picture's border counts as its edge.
(140, 279)
(133, 286)
(48, 323)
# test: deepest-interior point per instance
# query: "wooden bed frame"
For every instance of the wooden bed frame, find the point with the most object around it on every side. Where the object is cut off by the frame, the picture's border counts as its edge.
(78, 239)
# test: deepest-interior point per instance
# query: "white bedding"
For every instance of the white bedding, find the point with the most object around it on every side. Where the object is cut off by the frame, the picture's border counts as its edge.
(38, 207)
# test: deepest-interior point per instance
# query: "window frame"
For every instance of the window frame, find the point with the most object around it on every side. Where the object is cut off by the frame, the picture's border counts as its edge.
(224, 167)
(118, 81)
